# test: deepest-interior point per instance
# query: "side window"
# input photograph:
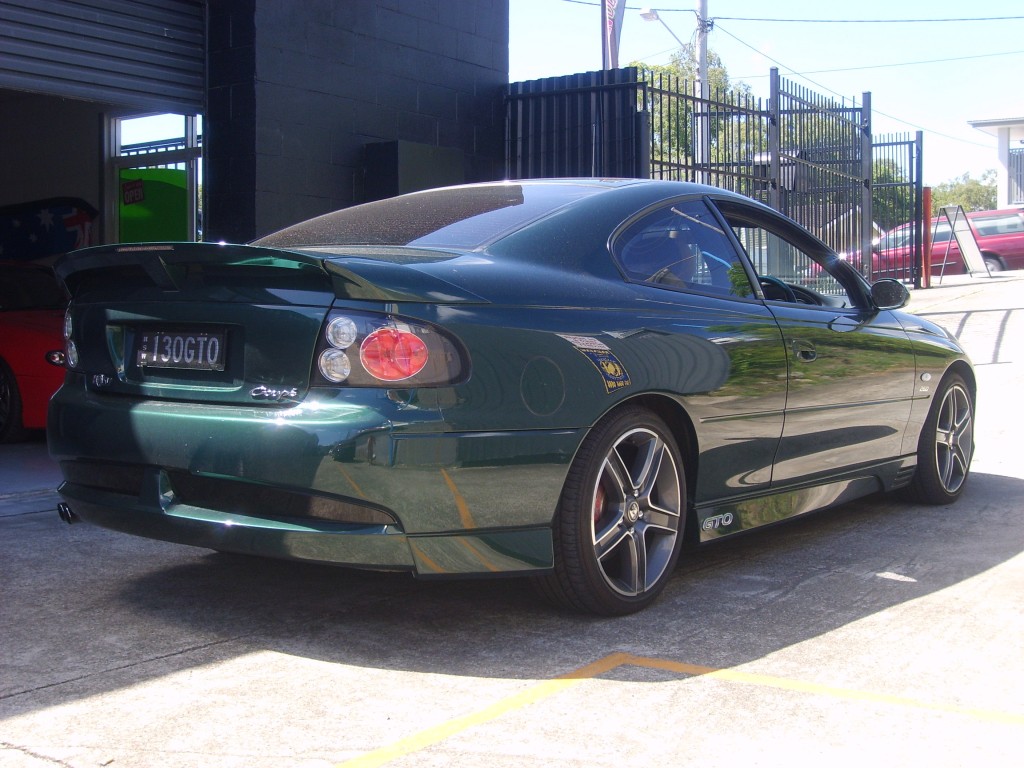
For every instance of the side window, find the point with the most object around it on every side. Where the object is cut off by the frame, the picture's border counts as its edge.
(998, 225)
(682, 246)
(789, 267)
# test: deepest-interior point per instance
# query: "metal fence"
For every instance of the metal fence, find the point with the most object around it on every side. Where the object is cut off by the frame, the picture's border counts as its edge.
(803, 154)
(1016, 172)
(897, 207)
(584, 125)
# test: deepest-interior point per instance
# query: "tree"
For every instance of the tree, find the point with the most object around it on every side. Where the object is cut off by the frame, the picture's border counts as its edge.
(970, 194)
(735, 115)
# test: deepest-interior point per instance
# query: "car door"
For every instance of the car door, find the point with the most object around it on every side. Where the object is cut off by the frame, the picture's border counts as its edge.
(850, 367)
(1000, 236)
(708, 333)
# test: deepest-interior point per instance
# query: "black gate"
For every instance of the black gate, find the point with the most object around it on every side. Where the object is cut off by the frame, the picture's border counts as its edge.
(897, 208)
(584, 125)
(805, 155)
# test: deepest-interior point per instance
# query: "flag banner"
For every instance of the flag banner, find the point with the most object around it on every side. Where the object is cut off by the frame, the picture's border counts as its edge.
(44, 228)
(612, 13)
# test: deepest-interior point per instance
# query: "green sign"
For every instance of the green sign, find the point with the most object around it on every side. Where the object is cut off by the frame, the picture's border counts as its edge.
(153, 205)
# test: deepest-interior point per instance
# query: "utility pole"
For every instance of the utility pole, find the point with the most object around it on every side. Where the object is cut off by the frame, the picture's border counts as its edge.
(703, 116)
(703, 27)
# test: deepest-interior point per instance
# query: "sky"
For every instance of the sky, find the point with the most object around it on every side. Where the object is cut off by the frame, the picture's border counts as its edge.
(932, 76)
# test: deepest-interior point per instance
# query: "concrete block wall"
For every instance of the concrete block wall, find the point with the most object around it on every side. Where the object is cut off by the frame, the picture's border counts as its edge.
(297, 90)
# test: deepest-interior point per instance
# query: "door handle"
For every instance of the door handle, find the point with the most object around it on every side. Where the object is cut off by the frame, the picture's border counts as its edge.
(804, 350)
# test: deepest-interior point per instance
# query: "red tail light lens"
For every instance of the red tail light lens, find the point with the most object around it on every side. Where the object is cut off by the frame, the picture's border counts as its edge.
(366, 349)
(390, 354)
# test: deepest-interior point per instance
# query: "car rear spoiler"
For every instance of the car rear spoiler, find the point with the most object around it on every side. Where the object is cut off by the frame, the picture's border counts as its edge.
(352, 277)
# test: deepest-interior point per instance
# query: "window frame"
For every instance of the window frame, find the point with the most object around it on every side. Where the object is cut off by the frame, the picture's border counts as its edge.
(616, 242)
(857, 289)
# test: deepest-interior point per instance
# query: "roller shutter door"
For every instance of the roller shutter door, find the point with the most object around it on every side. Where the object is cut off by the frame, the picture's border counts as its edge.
(140, 54)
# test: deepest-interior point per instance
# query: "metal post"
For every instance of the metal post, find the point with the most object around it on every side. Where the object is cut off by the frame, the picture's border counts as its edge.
(867, 165)
(704, 110)
(923, 261)
(774, 142)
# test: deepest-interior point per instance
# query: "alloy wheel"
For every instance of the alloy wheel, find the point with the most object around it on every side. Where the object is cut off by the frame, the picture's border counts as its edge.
(954, 438)
(636, 516)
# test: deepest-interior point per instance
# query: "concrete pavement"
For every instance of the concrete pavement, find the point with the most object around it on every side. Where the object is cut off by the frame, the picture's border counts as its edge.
(877, 633)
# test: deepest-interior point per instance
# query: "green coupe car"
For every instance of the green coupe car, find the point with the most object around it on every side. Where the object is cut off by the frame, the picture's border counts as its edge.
(564, 379)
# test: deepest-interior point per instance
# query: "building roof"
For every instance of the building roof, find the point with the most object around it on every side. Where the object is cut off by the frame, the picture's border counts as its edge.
(992, 126)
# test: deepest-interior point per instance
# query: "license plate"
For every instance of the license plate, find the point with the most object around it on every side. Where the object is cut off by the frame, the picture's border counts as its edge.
(180, 348)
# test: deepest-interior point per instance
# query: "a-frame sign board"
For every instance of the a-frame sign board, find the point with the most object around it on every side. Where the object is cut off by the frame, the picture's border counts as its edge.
(974, 262)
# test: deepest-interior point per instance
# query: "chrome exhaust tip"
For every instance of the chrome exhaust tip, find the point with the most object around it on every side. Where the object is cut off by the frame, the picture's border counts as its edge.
(65, 513)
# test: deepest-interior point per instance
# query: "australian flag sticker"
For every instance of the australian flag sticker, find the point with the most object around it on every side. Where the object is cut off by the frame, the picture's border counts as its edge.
(608, 365)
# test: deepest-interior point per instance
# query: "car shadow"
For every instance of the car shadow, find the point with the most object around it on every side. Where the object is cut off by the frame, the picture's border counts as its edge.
(728, 603)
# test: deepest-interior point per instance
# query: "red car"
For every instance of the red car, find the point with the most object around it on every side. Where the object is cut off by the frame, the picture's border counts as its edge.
(1000, 236)
(31, 347)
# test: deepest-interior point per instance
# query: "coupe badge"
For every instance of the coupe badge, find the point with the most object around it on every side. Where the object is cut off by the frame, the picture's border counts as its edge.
(277, 395)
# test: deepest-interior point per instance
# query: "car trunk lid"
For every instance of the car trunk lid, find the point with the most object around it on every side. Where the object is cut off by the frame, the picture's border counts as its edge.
(218, 323)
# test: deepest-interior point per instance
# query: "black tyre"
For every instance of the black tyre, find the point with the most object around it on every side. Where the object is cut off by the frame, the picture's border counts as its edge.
(946, 445)
(993, 264)
(10, 407)
(620, 520)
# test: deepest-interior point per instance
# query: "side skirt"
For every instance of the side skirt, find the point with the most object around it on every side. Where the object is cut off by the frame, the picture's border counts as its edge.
(716, 520)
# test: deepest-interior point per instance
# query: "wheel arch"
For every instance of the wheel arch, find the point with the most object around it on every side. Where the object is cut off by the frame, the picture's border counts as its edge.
(992, 256)
(966, 372)
(680, 423)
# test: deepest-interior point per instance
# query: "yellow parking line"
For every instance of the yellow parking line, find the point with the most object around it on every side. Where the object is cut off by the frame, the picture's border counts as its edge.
(533, 694)
(425, 738)
(801, 686)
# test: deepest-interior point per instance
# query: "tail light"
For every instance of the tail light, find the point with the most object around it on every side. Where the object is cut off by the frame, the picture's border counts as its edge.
(359, 349)
(70, 348)
(390, 354)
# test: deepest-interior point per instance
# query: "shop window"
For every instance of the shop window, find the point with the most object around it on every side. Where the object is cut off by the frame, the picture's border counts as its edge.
(154, 178)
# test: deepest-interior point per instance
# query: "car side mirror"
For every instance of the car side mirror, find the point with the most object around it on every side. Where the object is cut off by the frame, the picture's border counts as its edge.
(888, 293)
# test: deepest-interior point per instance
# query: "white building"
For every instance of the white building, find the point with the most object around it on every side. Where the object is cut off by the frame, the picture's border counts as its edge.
(1009, 133)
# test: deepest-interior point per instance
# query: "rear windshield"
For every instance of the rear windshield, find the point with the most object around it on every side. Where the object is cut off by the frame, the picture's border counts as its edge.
(463, 218)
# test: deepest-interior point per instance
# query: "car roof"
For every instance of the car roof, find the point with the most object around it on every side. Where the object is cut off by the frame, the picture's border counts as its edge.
(466, 217)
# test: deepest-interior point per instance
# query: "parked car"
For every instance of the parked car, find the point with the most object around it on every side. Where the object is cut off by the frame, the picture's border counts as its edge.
(562, 378)
(31, 346)
(999, 234)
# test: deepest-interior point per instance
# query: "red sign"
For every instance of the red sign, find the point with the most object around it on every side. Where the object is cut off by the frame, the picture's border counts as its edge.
(132, 192)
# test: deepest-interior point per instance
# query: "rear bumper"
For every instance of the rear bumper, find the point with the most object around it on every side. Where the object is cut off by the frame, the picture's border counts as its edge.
(381, 547)
(373, 484)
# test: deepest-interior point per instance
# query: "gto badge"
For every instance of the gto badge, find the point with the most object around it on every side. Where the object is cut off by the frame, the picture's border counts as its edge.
(718, 521)
(266, 393)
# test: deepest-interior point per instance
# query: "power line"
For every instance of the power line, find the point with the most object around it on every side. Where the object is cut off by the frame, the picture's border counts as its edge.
(870, 21)
(897, 64)
(874, 109)
(815, 21)
(803, 76)
(720, 28)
